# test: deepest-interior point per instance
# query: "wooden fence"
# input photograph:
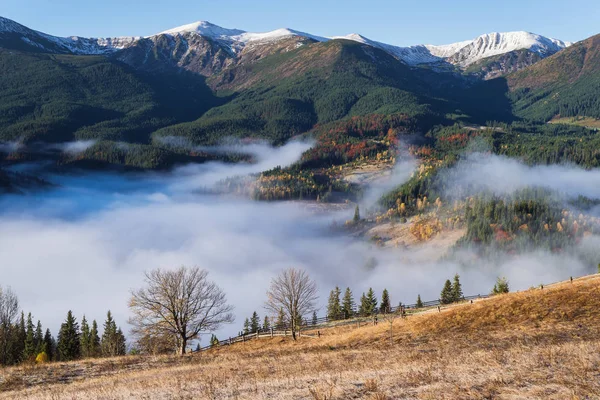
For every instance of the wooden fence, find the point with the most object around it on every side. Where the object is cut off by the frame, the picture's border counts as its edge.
(312, 325)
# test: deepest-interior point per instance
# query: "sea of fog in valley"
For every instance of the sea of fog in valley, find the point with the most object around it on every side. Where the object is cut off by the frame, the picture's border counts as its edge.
(84, 244)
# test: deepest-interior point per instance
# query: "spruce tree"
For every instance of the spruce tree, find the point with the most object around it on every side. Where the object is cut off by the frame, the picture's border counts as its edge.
(334, 310)
(38, 338)
(110, 340)
(356, 214)
(95, 348)
(29, 348)
(49, 345)
(121, 343)
(348, 304)
(457, 293)
(213, 340)
(68, 346)
(446, 296)
(266, 324)
(385, 306)
(19, 339)
(254, 323)
(363, 309)
(315, 320)
(501, 286)
(85, 339)
(419, 302)
(246, 326)
(372, 301)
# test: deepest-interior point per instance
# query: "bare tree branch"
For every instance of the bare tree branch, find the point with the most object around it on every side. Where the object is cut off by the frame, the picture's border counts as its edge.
(294, 292)
(181, 303)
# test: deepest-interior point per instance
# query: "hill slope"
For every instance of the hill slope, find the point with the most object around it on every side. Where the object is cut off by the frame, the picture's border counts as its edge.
(566, 84)
(537, 344)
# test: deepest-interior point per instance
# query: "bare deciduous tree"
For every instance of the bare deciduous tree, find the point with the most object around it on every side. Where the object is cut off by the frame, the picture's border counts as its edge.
(9, 310)
(181, 303)
(294, 292)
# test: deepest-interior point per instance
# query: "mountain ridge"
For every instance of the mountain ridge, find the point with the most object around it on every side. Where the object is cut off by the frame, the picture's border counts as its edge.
(460, 54)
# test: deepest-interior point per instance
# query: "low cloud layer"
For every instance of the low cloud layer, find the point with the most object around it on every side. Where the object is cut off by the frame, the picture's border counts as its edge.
(503, 175)
(84, 245)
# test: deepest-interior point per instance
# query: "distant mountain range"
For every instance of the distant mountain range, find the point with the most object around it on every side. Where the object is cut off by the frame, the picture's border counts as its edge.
(235, 41)
(204, 83)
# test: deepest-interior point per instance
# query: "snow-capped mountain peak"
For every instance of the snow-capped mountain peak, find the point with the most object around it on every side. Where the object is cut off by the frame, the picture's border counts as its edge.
(461, 54)
(497, 43)
(204, 28)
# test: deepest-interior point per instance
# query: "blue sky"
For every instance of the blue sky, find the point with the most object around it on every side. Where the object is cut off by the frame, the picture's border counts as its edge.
(400, 22)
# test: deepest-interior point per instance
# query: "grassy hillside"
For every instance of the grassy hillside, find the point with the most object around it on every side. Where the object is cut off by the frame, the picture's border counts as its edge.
(566, 84)
(286, 94)
(536, 344)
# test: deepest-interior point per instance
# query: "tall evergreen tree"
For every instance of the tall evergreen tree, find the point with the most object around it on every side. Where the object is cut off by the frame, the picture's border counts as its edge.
(446, 296)
(334, 311)
(363, 309)
(20, 335)
(121, 343)
(457, 293)
(213, 340)
(266, 324)
(315, 320)
(68, 346)
(95, 347)
(110, 338)
(246, 326)
(29, 348)
(348, 304)
(372, 301)
(49, 345)
(419, 302)
(356, 214)
(254, 323)
(85, 339)
(385, 307)
(38, 338)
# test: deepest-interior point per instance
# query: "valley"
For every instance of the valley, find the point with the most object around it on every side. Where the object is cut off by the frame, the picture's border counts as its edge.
(271, 159)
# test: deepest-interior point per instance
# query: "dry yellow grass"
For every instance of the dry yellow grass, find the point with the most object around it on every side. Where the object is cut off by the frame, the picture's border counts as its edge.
(536, 344)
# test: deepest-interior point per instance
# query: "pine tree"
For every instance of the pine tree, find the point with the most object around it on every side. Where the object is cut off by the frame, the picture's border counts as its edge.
(315, 320)
(68, 346)
(110, 340)
(419, 302)
(501, 286)
(446, 294)
(266, 324)
(85, 339)
(254, 323)
(457, 293)
(334, 310)
(38, 338)
(49, 345)
(348, 304)
(213, 340)
(121, 343)
(385, 306)
(29, 349)
(356, 214)
(95, 348)
(363, 310)
(372, 300)
(19, 339)
(246, 326)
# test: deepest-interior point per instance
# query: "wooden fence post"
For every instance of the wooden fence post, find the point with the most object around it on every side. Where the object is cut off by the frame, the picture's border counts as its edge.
(271, 331)
(230, 340)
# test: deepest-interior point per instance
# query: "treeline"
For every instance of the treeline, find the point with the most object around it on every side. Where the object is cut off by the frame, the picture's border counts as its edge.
(22, 340)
